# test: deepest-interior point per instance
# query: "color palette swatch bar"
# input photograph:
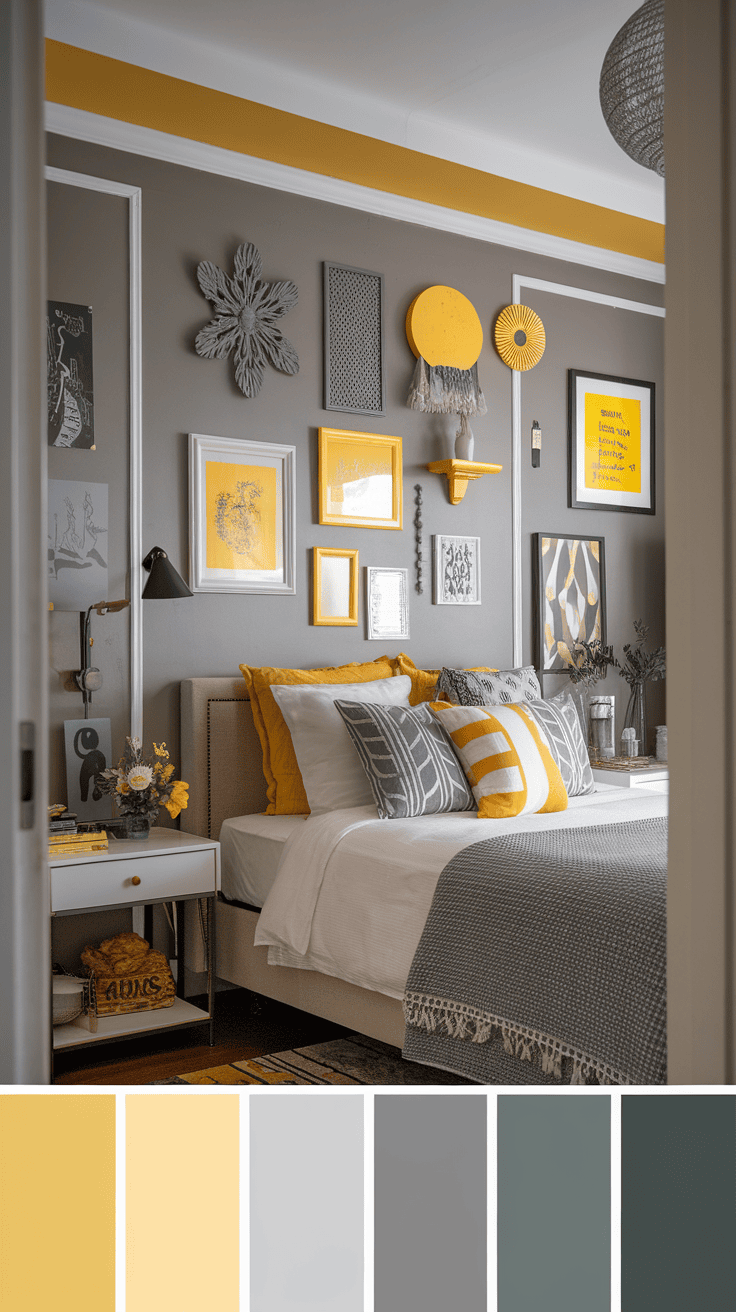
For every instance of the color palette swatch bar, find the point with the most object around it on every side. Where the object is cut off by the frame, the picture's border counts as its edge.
(57, 1202)
(554, 1204)
(182, 1192)
(430, 1203)
(306, 1203)
(678, 1196)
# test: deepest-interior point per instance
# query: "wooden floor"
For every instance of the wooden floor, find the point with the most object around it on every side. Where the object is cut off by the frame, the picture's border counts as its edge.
(245, 1026)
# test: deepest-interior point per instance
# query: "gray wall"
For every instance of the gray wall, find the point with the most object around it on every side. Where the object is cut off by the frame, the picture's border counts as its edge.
(189, 216)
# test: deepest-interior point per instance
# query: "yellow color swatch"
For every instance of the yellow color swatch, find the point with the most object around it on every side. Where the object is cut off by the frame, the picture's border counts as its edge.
(612, 443)
(182, 1203)
(57, 1202)
(241, 516)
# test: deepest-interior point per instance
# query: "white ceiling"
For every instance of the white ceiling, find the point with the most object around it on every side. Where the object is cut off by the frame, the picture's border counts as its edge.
(507, 86)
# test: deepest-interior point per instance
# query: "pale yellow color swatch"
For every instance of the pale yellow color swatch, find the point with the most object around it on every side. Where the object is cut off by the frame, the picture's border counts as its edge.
(182, 1203)
(57, 1202)
(612, 443)
(241, 516)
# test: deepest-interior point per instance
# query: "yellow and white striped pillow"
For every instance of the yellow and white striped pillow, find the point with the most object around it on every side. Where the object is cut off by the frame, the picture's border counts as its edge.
(506, 758)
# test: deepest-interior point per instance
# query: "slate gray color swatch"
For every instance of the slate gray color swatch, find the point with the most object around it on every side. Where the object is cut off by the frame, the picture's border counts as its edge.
(554, 1204)
(306, 1203)
(430, 1203)
(678, 1202)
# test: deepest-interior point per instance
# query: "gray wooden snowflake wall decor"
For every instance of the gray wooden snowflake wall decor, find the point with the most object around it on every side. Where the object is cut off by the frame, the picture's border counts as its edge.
(247, 310)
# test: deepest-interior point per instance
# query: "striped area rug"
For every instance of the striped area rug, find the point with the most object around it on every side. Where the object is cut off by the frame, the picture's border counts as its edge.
(353, 1060)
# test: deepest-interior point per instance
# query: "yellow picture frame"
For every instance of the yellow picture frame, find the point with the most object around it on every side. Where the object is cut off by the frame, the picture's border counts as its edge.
(335, 590)
(360, 479)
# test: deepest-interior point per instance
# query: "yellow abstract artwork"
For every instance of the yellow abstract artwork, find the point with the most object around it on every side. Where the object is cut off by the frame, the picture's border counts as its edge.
(241, 502)
(612, 443)
(360, 479)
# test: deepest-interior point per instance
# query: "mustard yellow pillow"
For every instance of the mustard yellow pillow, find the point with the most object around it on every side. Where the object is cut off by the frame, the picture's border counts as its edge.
(506, 758)
(286, 795)
(424, 682)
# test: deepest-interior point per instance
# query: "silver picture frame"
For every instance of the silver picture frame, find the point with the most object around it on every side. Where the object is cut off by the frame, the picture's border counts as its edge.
(387, 603)
(456, 570)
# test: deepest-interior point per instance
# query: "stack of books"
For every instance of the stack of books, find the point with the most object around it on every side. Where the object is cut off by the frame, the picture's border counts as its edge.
(63, 822)
(68, 844)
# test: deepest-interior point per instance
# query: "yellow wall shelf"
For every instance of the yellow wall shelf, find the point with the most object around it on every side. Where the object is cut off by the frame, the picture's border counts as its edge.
(460, 473)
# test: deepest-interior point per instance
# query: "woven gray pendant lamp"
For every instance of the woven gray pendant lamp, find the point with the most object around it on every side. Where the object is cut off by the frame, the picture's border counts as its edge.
(632, 86)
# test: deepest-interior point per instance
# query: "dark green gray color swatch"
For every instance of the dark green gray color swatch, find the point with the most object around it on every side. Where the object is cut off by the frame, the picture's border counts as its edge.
(554, 1203)
(678, 1201)
(430, 1203)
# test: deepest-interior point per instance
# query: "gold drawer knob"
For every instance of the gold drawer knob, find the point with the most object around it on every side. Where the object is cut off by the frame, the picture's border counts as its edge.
(136, 880)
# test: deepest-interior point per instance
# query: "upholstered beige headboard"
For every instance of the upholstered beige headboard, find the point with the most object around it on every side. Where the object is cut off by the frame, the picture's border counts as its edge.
(220, 754)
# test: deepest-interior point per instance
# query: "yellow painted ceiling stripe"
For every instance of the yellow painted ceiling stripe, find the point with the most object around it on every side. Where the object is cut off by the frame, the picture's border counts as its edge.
(109, 87)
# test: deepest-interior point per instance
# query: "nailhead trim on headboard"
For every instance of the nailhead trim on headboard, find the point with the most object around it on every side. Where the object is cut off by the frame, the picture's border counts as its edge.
(210, 700)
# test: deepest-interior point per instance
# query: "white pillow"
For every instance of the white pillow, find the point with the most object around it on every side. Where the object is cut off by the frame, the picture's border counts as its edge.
(332, 772)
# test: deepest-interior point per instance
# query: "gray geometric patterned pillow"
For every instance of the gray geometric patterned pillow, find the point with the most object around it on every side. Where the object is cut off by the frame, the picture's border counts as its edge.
(502, 687)
(408, 759)
(559, 721)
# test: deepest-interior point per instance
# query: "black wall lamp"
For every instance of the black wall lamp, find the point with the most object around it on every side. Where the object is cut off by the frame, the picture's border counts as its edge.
(163, 579)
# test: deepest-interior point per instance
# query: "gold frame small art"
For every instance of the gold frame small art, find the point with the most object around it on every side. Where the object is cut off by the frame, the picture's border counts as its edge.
(321, 600)
(354, 469)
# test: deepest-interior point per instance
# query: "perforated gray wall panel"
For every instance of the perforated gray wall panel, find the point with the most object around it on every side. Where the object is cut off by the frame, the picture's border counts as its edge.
(354, 378)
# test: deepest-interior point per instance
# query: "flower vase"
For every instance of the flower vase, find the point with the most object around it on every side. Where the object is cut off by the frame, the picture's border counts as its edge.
(137, 826)
(636, 716)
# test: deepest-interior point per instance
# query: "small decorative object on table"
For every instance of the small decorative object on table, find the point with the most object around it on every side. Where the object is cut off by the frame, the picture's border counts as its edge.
(638, 668)
(629, 742)
(141, 787)
(588, 662)
(602, 711)
(661, 745)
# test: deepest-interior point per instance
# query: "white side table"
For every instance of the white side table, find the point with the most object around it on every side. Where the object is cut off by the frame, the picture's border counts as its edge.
(168, 866)
(655, 778)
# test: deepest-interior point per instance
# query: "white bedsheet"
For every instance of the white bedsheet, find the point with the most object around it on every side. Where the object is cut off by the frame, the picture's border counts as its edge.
(251, 848)
(353, 892)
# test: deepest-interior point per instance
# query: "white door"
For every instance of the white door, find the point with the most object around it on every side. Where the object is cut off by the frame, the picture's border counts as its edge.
(24, 918)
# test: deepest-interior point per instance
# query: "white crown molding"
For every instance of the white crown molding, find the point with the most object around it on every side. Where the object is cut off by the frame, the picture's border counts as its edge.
(137, 140)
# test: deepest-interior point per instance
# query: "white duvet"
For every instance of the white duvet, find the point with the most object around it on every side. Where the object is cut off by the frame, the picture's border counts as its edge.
(353, 892)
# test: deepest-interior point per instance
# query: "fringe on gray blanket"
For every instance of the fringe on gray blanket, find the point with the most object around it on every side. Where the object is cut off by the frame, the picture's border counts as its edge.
(460, 1021)
(444, 390)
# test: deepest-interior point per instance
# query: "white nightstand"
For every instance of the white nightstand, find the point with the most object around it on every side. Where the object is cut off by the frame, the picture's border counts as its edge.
(168, 866)
(655, 778)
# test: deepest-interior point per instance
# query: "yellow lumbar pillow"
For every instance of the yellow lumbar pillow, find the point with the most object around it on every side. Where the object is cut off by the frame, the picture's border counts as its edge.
(286, 795)
(424, 682)
(506, 759)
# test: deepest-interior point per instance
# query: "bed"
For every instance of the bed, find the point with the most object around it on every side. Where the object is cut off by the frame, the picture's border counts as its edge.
(345, 899)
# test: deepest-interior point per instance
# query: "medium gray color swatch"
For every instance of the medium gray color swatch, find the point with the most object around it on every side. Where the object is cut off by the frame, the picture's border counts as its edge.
(554, 1204)
(306, 1203)
(678, 1201)
(430, 1203)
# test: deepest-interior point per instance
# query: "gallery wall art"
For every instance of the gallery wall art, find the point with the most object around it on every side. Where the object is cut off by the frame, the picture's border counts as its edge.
(611, 440)
(360, 479)
(387, 603)
(241, 515)
(570, 586)
(77, 543)
(353, 340)
(456, 570)
(70, 392)
(88, 749)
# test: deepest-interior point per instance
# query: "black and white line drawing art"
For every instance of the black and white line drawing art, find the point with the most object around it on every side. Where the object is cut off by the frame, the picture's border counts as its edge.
(70, 393)
(77, 552)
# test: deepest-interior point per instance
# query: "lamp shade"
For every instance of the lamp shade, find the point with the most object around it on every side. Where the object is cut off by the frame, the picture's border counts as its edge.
(164, 580)
(632, 86)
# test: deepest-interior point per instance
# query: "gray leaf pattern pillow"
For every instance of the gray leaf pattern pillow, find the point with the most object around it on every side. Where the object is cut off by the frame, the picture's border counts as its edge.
(559, 721)
(499, 688)
(408, 759)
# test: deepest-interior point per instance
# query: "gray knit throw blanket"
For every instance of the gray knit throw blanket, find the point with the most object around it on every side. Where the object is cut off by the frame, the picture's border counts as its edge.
(554, 944)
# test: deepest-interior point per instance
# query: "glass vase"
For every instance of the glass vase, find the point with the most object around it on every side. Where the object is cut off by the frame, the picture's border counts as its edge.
(137, 826)
(636, 716)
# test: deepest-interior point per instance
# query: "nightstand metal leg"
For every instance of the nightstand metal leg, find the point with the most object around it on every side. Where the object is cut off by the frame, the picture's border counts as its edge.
(180, 947)
(211, 965)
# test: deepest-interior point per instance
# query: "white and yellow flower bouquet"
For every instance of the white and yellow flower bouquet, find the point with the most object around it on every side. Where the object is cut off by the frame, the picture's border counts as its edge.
(141, 787)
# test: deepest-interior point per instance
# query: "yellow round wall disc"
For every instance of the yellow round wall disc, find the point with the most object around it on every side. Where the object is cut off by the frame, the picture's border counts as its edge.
(519, 337)
(443, 327)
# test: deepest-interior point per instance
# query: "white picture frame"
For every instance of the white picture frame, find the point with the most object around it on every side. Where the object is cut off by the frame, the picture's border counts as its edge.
(241, 530)
(387, 603)
(456, 570)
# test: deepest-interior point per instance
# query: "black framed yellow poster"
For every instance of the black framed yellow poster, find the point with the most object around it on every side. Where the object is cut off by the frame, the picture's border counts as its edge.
(611, 443)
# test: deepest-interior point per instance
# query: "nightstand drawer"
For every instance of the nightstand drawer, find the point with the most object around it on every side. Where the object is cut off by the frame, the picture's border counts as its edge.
(107, 883)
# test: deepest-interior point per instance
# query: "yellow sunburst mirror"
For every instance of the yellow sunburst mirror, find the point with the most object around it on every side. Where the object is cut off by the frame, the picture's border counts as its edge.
(442, 326)
(519, 336)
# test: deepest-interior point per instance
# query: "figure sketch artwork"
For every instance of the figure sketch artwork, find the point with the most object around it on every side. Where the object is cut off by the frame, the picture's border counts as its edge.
(241, 516)
(77, 544)
(88, 748)
(456, 571)
(571, 597)
(69, 375)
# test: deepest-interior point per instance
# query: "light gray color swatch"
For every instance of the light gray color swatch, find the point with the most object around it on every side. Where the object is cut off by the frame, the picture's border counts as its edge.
(430, 1203)
(554, 1204)
(306, 1203)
